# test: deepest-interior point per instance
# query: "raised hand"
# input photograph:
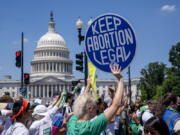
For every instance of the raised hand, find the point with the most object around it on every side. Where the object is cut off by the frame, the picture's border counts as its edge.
(115, 69)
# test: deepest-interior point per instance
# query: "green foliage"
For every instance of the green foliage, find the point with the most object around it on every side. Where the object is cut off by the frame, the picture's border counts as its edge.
(152, 76)
(174, 56)
(159, 92)
(171, 84)
(158, 80)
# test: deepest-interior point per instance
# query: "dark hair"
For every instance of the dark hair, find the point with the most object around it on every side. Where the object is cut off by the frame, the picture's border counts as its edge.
(154, 125)
(7, 93)
(6, 99)
(16, 107)
(165, 102)
(68, 96)
(18, 110)
(168, 98)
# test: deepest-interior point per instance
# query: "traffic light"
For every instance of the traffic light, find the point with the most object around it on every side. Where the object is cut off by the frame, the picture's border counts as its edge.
(18, 59)
(79, 62)
(26, 78)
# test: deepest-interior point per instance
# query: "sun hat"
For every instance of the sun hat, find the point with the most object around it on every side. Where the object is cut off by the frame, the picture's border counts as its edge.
(40, 110)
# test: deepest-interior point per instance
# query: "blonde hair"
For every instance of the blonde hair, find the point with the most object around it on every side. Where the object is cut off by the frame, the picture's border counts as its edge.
(82, 104)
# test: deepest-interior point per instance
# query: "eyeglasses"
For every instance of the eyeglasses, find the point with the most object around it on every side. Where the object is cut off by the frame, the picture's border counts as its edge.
(152, 131)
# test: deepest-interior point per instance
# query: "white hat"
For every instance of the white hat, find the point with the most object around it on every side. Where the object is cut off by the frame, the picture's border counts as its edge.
(39, 101)
(177, 126)
(40, 110)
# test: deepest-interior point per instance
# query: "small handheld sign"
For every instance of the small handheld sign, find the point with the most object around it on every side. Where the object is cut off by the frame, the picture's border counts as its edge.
(110, 40)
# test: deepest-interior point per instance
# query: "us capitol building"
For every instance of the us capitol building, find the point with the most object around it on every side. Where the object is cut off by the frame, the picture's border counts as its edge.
(51, 70)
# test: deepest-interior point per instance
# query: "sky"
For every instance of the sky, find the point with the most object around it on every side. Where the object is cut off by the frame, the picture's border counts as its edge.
(155, 22)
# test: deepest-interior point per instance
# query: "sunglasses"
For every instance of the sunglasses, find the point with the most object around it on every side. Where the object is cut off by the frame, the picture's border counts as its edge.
(153, 132)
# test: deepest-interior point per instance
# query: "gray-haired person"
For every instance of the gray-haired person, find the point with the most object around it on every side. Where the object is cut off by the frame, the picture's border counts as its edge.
(84, 121)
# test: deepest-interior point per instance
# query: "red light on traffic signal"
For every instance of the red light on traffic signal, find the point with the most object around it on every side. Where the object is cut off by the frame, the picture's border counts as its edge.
(18, 59)
(18, 53)
(26, 76)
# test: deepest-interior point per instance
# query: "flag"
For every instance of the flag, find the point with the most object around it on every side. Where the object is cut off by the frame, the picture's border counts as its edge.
(92, 73)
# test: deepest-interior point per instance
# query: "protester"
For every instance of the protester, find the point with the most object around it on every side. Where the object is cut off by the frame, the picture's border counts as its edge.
(134, 123)
(68, 103)
(77, 89)
(155, 126)
(57, 123)
(149, 112)
(6, 98)
(43, 118)
(6, 105)
(82, 123)
(19, 118)
(169, 111)
(5, 121)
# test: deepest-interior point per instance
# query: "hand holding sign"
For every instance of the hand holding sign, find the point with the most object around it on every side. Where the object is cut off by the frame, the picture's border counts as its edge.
(110, 39)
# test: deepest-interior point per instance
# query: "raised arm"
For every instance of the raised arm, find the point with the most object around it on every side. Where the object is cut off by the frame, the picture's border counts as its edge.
(88, 87)
(118, 95)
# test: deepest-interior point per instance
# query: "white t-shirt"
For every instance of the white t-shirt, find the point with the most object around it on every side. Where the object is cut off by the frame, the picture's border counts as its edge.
(35, 127)
(5, 121)
(17, 129)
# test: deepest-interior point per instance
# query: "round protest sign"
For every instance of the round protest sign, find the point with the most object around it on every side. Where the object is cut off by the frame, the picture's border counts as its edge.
(110, 39)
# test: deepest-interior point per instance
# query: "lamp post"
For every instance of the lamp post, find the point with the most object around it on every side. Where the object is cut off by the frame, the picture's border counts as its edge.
(79, 25)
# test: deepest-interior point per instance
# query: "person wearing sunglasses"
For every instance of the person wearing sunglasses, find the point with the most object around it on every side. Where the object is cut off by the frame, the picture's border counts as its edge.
(155, 126)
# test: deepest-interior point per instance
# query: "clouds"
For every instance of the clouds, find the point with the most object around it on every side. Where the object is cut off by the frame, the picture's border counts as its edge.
(169, 8)
(26, 40)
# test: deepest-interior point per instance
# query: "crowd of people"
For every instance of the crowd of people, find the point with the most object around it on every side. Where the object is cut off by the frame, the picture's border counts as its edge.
(80, 113)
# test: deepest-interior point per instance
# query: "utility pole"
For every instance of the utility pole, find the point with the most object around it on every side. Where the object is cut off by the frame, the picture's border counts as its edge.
(129, 85)
(85, 68)
(22, 61)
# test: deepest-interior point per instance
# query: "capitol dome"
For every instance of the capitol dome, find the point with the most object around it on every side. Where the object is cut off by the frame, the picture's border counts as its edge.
(51, 57)
(51, 39)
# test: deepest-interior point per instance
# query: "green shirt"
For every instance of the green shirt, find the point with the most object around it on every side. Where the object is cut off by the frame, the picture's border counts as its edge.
(143, 108)
(90, 127)
(135, 128)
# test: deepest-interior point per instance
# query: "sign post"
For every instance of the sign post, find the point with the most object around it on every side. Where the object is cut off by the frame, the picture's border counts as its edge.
(110, 39)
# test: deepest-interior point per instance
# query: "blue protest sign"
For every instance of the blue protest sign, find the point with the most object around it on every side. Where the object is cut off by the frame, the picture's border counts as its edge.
(23, 90)
(110, 39)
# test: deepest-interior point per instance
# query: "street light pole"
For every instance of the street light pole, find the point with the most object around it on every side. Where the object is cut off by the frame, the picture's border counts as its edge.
(79, 25)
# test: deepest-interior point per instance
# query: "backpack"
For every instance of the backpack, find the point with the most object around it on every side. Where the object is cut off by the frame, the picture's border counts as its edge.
(171, 118)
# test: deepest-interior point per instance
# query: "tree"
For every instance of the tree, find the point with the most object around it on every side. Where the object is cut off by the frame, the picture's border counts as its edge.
(174, 56)
(172, 80)
(152, 76)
